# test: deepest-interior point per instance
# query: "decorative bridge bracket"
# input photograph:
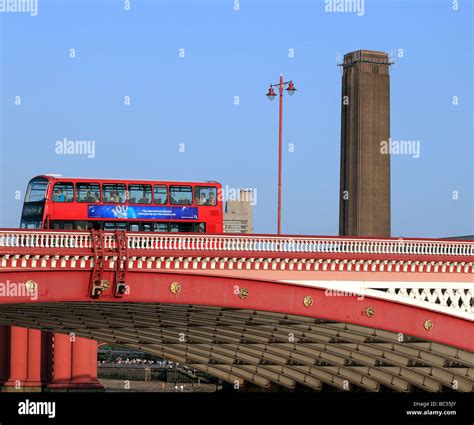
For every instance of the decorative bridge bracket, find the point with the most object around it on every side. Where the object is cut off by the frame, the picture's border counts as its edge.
(121, 267)
(98, 284)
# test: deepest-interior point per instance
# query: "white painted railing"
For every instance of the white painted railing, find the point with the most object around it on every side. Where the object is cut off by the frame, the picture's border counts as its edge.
(39, 239)
(10, 239)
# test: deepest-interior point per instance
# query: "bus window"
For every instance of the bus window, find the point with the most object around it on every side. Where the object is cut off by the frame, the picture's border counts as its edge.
(30, 224)
(32, 214)
(205, 195)
(139, 193)
(181, 227)
(62, 225)
(36, 191)
(161, 195)
(80, 225)
(87, 192)
(147, 227)
(114, 193)
(134, 227)
(115, 225)
(161, 227)
(200, 227)
(63, 192)
(181, 195)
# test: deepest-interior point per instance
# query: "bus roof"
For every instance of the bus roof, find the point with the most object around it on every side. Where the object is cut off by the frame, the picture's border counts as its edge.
(122, 180)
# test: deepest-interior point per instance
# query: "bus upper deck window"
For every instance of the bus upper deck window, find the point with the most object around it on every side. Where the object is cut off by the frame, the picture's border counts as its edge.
(36, 191)
(181, 195)
(88, 192)
(114, 193)
(205, 195)
(63, 192)
(139, 193)
(161, 195)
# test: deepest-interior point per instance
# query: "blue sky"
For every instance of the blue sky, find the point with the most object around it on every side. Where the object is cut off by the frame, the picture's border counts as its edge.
(190, 101)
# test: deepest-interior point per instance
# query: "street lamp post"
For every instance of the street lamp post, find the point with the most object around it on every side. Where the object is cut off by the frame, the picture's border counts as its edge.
(271, 95)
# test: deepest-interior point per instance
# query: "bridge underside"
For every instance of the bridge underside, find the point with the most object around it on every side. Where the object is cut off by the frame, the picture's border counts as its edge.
(262, 348)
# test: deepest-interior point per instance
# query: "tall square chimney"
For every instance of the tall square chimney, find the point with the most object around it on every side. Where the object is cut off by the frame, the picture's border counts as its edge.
(365, 123)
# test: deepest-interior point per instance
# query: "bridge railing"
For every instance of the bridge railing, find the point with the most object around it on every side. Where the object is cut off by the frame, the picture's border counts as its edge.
(44, 239)
(237, 243)
(255, 243)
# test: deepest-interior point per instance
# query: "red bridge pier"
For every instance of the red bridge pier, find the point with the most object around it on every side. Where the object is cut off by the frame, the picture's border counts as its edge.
(33, 361)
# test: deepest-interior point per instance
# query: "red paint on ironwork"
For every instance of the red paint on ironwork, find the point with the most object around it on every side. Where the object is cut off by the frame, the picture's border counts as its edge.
(62, 361)
(18, 357)
(35, 361)
(152, 287)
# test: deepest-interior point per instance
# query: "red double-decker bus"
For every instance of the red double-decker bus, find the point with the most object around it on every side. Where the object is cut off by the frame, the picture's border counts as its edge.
(56, 202)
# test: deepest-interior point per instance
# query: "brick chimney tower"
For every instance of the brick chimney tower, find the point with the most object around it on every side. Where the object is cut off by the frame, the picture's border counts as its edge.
(364, 208)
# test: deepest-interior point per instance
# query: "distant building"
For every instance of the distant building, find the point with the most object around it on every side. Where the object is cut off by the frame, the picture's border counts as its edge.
(238, 213)
(365, 125)
(462, 238)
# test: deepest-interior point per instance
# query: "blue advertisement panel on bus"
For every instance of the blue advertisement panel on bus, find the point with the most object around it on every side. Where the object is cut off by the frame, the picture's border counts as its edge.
(143, 212)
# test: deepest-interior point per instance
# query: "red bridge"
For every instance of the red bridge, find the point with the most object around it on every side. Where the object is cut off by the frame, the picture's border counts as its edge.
(349, 313)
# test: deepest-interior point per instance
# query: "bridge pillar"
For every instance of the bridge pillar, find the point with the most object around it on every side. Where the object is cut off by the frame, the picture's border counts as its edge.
(18, 359)
(93, 359)
(34, 360)
(75, 364)
(4, 352)
(24, 359)
(61, 361)
(81, 359)
(84, 364)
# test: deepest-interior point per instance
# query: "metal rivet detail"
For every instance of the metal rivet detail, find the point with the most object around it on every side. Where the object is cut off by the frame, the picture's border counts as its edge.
(31, 285)
(369, 311)
(243, 293)
(175, 288)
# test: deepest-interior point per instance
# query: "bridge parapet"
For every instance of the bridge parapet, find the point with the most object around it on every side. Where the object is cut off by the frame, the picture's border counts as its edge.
(11, 239)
